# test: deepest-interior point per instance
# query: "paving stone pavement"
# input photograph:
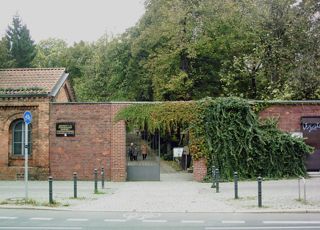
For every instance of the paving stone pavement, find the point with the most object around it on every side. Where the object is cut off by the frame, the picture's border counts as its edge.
(174, 193)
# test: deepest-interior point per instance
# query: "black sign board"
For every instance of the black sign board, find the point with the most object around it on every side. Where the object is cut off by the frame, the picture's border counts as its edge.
(65, 129)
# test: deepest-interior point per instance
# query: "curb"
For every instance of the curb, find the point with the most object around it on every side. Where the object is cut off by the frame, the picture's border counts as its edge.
(234, 211)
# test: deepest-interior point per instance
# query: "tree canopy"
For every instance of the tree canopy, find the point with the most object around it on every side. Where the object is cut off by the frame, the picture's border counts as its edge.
(190, 49)
(21, 46)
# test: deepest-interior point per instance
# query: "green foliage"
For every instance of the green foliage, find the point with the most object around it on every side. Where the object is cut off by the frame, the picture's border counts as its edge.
(227, 132)
(51, 53)
(22, 48)
(190, 49)
(239, 142)
(23, 90)
(166, 117)
(6, 60)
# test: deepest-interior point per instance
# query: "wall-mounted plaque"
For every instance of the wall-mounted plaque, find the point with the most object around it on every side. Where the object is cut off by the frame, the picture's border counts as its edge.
(65, 129)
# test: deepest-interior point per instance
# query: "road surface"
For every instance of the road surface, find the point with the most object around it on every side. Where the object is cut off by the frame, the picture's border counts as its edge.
(24, 219)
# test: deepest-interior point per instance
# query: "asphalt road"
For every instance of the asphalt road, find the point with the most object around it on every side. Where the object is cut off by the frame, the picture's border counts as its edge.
(70, 220)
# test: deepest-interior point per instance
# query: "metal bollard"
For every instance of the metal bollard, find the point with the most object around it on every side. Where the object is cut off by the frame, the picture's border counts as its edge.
(259, 192)
(235, 175)
(217, 180)
(304, 188)
(50, 190)
(299, 188)
(213, 177)
(95, 181)
(75, 185)
(102, 177)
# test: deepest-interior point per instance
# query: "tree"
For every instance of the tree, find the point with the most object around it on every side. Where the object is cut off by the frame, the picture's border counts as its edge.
(6, 60)
(190, 49)
(51, 53)
(304, 77)
(22, 48)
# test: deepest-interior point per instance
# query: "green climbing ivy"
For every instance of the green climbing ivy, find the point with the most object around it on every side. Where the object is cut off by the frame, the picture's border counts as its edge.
(238, 141)
(228, 133)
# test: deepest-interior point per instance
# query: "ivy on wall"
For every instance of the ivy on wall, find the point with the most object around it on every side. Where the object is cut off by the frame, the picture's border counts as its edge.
(228, 133)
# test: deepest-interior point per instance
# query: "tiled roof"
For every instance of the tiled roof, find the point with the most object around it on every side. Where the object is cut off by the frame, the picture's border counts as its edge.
(27, 81)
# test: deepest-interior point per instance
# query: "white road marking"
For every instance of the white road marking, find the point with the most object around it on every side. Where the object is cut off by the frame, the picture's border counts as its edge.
(263, 228)
(8, 217)
(115, 220)
(41, 218)
(233, 221)
(291, 222)
(74, 219)
(192, 221)
(154, 221)
(43, 228)
(140, 216)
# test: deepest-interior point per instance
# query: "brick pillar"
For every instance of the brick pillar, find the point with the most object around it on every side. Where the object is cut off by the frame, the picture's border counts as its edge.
(118, 147)
(199, 169)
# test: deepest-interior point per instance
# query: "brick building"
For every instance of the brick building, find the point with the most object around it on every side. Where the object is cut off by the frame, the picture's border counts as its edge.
(33, 90)
(66, 136)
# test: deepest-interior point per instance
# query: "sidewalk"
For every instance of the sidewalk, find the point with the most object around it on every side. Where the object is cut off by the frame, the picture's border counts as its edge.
(168, 195)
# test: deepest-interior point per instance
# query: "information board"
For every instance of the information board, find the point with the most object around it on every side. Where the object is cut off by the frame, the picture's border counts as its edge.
(65, 129)
(177, 152)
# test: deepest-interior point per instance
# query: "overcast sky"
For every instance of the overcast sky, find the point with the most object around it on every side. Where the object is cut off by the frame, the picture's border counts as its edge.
(72, 20)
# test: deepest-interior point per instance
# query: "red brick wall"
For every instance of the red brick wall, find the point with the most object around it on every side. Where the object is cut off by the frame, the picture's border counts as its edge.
(99, 142)
(289, 116)
(10, 110)
(118, 146)
(199, 169)
(62, 95)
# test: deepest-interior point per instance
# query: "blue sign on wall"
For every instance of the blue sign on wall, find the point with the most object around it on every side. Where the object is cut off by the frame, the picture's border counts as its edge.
(27, 116)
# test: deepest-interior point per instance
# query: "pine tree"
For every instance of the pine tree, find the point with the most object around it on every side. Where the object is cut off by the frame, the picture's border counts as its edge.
(22, 48)
(6, 60)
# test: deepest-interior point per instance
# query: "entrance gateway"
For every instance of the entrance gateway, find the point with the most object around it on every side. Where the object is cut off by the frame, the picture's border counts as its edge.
(138, 167)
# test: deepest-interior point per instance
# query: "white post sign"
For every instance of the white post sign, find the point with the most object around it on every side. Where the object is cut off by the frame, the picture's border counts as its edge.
(27, 116)
(177, 152)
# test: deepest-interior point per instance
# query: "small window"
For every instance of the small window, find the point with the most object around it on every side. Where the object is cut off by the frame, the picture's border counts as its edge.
(18, 138)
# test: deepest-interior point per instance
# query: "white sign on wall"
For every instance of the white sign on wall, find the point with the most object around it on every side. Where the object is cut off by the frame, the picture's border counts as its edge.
(177, 152)
(297, 134)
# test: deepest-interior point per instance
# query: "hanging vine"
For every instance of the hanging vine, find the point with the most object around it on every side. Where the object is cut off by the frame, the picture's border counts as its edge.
(227, 133)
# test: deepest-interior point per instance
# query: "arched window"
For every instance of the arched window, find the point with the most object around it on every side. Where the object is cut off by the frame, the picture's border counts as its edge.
(18, 138)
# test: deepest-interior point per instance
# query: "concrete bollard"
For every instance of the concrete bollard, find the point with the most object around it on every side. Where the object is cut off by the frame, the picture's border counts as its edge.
(213, 177)
(259, 192)
(50, 190)
(304, 189)
(95, 181)
(217, 180)
(75, 178)
(102, 177)
(235, 175)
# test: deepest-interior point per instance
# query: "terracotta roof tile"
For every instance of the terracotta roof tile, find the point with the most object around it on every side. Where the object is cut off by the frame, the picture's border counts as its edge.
(29, 80)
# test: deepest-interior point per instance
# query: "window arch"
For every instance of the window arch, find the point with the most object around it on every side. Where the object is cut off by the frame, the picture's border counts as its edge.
(18, 138)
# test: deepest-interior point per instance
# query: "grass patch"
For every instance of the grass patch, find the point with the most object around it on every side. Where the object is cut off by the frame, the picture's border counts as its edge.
(32, 202)
(78, 198)
(53, 204)
(20, 201)
(99, 193)
(175, 165)
(302, 201)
